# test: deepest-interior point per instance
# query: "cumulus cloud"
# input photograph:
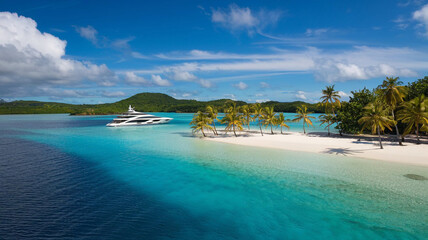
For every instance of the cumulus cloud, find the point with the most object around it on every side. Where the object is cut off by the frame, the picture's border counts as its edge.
(133, 79)
(29, 59)
(230, 96)
(331, 71)
(183, 76)
(421, 15)
(89, 33)
(186, 76)
(158, 80)
(205, 83)
(301, 95)
(264, 85)
(114, 94)
(177, 93)
(241, 86)
(236, 18)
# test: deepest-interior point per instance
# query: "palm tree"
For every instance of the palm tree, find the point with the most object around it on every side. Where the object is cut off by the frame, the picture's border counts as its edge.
(303, 114)
(376, 119)
(212, 113)
(392, 94)
(327, 119)
(258, 113)
(414, 113)
(246, 115)
(280, 121)
(200, 121)
(330, 97)
(232, 119)
(269, 118)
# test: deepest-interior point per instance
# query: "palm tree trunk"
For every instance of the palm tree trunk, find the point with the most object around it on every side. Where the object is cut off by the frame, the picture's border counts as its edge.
(328, 127)
(417, 134)
(261, 131)
(234, 132)
(380, 139)
(203, 133)
(215, 129)
(396, 129)
(304, 130)
(281, 129)
(271, 131)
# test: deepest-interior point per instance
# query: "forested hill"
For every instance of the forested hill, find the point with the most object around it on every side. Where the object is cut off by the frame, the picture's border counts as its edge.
(144, 102)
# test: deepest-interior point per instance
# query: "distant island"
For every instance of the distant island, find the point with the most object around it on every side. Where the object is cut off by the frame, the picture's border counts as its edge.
(145, 102)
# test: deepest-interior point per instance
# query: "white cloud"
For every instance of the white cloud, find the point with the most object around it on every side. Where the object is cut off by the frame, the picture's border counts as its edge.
(230, 96)
(262, 100)
(244, 19)
(182, 94)
(113, 94)
(357, 63)
(133, 79)
(205, 83)
(89, 33)
(343, 94)
(330, 71)
(183, 76)
(401, 22)
(301, 95)
(158, 80)
(29, 59)
(186, 76)
(421, 15)
(264, 85)
(315, 32)
(241, 86)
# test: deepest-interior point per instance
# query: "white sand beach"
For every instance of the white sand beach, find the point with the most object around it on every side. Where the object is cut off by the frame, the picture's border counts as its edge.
(410, 153)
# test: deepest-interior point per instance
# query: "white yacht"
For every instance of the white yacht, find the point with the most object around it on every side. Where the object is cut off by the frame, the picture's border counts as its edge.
(134, 118)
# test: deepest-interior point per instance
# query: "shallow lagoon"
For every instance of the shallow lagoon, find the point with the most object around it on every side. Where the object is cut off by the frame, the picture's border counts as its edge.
(71, 177)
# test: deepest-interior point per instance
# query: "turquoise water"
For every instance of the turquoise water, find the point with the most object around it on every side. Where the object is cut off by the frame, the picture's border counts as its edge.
(225, 191)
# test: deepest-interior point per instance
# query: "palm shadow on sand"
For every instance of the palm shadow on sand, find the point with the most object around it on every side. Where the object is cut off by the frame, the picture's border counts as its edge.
(342, 151)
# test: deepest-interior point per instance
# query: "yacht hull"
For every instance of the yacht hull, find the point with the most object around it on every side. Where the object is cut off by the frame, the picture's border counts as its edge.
(150, 122)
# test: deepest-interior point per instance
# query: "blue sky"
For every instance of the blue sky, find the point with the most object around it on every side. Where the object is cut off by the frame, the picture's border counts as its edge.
(95, 52)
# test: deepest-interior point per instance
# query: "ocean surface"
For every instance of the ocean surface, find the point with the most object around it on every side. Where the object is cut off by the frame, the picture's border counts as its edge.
(70, 177)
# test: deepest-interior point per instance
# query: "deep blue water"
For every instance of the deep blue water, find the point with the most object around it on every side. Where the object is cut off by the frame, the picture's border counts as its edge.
(65, 177)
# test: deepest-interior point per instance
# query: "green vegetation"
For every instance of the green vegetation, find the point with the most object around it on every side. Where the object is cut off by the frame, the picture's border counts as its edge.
(145, 102)
(282, 122)
(351, 111)
(415, 114)
(376, 118)
(200, 122)
(303, 114)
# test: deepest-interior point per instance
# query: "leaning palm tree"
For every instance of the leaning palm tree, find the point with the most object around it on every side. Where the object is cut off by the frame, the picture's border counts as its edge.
(258, 113)
(415, 114)
(303, 114)
(232, 119)
(268, 118)
(200, 122)
(246, 115)
(392, 94)
(280, 121)
(376, 119)
(212, 113)
(330, 97)
(327, 119)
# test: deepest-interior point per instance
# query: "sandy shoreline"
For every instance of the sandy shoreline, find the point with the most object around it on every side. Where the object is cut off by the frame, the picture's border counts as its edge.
(320, 143)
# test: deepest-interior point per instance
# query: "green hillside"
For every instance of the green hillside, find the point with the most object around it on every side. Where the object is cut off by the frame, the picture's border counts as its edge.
(145, 102)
